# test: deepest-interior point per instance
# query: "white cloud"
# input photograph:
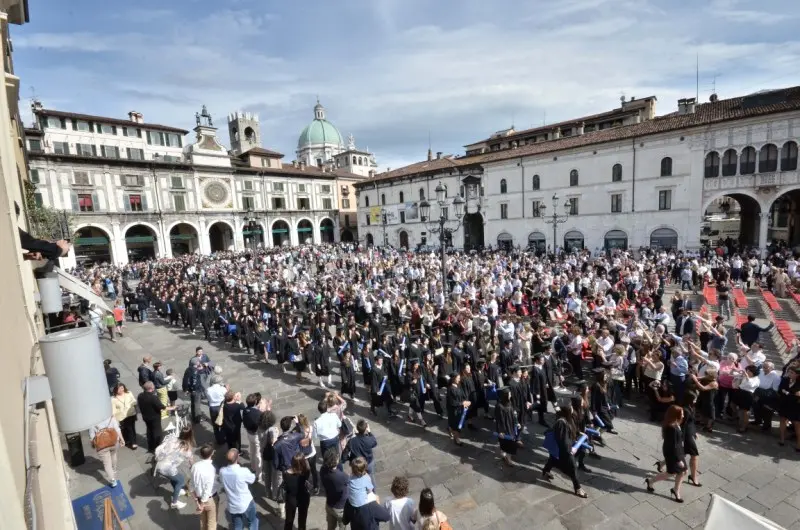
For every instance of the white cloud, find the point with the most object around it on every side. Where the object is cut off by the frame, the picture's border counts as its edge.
(460, 78)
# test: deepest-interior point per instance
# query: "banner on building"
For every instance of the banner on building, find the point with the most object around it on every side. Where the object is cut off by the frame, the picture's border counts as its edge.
(375, 215)
(412, 211)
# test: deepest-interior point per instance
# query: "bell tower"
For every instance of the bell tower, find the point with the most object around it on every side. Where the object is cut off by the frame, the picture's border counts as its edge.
(244, 131)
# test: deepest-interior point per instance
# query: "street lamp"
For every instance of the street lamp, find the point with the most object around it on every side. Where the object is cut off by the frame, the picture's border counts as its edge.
(250, 226)
(555, 219)
(383, 223)
(440, 226)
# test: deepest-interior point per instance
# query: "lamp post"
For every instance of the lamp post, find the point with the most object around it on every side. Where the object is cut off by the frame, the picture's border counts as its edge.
(440, 226)
(383, 223)
(251, 226)
(555, 219)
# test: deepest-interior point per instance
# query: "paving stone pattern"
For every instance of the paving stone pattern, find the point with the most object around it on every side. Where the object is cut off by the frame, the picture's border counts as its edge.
(469, 483)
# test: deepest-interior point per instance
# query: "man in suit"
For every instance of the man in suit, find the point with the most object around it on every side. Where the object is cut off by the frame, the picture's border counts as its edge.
(150, 407)
(684, 322)
(539, 387)
(380, 396)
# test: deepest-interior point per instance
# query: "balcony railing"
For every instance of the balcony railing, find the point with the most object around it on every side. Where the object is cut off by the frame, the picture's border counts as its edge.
(758, 180)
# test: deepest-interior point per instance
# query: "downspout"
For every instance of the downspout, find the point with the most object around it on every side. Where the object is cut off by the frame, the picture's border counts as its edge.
(521, 165)
(633, 179)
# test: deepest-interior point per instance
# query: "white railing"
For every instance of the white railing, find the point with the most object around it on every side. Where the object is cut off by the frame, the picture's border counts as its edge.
(759, 180)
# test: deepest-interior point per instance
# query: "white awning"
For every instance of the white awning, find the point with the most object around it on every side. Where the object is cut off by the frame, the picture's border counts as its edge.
(78, 288)
(725, 515)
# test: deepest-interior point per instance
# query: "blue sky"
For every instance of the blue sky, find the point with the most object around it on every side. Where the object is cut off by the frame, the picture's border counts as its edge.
(391, 72)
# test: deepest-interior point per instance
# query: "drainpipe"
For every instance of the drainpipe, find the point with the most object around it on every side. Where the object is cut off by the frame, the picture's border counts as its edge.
(633, 179)
(521, 165)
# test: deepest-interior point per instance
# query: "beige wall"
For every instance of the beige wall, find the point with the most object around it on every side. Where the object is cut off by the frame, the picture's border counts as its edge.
(21, 326)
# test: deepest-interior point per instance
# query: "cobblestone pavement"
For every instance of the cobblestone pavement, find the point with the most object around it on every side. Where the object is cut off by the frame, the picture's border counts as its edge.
(469, 483)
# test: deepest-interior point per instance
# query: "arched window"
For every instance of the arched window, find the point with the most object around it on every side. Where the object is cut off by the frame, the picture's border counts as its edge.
(666, 167)
(503, 186)
(360, 161)
(789, 156)
(768, 159)
(536, 182)
(422, 194)
(729, 162)
(402, 197)
(445, 191)
(573, 177)
(616, 173)
(366, 200)
(712, 165)
(354, 160)
(383, 199)
(747, 161)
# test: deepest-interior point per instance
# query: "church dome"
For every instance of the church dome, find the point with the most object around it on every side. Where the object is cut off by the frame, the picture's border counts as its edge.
(319, 131)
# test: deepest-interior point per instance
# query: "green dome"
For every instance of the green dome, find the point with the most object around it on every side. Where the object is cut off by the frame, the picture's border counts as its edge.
(319, 131)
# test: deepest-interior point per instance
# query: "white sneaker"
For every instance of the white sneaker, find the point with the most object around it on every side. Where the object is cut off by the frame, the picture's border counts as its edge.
(178, 505)
(322, 384)
(114, 483)
(182, 493)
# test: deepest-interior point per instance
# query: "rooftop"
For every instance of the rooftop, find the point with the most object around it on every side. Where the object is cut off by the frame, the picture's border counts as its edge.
(261, 151)
(753, 105)
(111, 121)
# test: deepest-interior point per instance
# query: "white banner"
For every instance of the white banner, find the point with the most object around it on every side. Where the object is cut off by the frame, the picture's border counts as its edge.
(725, 515)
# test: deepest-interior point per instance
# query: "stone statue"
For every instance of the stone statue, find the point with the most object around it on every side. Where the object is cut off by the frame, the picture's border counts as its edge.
(207, 115)
(197, 117)
(351, 142)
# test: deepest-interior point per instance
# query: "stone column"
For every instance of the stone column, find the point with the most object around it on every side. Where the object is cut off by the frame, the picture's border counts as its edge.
(119, 250)
(763, 226)
(202, 237)
(238, 237)
(316, 231)
(294, 237)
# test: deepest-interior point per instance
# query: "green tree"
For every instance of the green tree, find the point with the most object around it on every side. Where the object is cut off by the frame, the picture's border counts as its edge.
(46, 222)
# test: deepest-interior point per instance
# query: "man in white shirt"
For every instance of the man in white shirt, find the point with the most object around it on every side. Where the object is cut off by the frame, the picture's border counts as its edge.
(235, 480)
(754, 356)
(215, 395)
(205, 488)
(766, 396)
(606, 343)
(327, 428)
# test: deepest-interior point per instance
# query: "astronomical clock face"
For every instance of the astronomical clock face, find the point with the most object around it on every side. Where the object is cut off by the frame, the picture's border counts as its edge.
(216, 194)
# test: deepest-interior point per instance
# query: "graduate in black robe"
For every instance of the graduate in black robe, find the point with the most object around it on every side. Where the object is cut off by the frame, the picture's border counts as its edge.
(416, 393)
(456, 403)
(467, 384)
(520, 395)
(538, 385)
(395, 377)
(204, 318)
(600, 405)
(481, 387)
(263, 342)
(564, 432)
(348, 375)
(506, 426)
(380, 389)
(191, 317)
(428, 374)
(321, 364)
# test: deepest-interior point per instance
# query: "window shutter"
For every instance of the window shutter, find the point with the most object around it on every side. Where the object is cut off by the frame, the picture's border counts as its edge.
(128, 151)
(94, 150)
(76, 207)
(144, 202)
(138, 133)
(113, 129)
(74, 125)
(149, 140)
(126, 200)
(180, 142)
(95, 203)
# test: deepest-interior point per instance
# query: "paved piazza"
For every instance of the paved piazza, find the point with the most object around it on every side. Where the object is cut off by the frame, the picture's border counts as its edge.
(469, 483)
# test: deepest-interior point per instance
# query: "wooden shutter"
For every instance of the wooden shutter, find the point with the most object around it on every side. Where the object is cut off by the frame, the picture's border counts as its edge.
(144, 202)
(126, 201)
(76, 207)
(95, 203)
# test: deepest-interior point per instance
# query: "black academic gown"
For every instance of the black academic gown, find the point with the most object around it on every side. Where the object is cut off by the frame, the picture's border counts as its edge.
(455, 406)
(319, 360)
(505, 423)
(519, 398)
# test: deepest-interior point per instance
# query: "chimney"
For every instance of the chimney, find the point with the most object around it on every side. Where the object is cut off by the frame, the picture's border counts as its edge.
(36, 105)
(686, 106)
(303, 165)
(135, 117)
(714, 98)
(580, 129)
(438, 155)
(294, 163)
(430, 154)
(556, 133)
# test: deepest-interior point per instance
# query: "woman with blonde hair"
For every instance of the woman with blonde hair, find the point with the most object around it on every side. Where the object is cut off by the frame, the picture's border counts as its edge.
(123, 406)
(173, 456)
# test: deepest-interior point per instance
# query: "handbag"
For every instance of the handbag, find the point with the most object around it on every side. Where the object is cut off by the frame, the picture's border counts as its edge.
(105, 438)
(220, 416)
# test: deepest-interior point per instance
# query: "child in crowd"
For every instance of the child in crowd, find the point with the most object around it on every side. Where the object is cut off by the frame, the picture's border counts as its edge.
(119, 315)
(400, 506)
(360, 490)
(172, 386)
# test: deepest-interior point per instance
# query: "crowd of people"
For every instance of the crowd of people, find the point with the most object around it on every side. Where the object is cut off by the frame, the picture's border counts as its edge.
(509, 336)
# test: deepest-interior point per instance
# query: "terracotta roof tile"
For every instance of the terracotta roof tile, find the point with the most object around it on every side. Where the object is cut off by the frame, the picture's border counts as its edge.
(110, 121)
(753, 105)
(262, 151)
